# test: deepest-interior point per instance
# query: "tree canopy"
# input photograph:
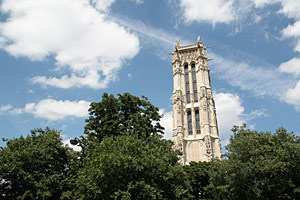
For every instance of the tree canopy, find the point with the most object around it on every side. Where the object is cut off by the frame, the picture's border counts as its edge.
(258, 165)
(124, 157)
(126, 114)
(127, 167)
(35, 167)
(129, 159)
(198, 174)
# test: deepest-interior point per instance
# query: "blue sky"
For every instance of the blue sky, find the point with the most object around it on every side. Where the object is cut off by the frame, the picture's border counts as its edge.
(57, 56)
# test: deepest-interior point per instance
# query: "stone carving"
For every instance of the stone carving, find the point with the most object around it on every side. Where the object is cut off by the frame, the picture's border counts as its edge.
(204, 104)
(179, 129)
(202, 92)
(177, 107)
(175, 56)
(209, 96)
(179, 142)
(174, 133)
(177, 97)
(177, 70)
(198, 40)
(177, 45)
(211, 109)
(189, 56)
(207, 141)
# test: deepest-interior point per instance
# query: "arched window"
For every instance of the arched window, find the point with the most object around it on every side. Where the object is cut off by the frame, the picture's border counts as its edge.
(197, 115)
(189, 118)
(187, 84)
(194, 83)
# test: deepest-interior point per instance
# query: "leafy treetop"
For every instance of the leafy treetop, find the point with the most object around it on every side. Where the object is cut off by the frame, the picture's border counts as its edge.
(35, 167)
(128, 167)
(126, 114)
(258, 165)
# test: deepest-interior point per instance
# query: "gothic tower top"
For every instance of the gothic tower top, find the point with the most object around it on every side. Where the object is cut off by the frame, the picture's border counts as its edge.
(195, 129)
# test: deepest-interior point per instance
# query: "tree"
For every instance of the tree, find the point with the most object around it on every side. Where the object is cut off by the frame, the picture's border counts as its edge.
(128, 167)
(35, 167)
(258, 165)
(126, 114)
(199, 178)
(125, 156)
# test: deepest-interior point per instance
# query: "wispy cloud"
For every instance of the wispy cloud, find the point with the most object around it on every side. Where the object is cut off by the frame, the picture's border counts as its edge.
(5, 108)
(149, 34)
(290, 9)
(258, 80)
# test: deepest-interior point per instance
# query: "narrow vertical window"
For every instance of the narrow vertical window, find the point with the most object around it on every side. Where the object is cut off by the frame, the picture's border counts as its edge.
(197, 121)
(194, 83)
(187, 84)
(190, 128)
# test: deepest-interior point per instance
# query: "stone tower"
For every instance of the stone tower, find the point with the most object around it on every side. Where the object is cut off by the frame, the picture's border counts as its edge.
(195, 129)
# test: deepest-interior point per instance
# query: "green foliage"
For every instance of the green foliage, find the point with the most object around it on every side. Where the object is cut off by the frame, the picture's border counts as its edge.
(128, 167)
(35, 167)
(125, 157)
(126, 114)
(258, 165)
(198, 175)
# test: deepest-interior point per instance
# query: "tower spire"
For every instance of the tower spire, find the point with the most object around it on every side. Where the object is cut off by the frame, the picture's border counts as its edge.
(195, 130)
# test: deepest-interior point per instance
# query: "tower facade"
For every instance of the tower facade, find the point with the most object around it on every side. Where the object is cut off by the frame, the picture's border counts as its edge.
(195, 129)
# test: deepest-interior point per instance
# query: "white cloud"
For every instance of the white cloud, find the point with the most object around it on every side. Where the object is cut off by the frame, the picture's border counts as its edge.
(68, 144)
(167, 123)
(259, 80)
(289, 8)
(292, 30)
(103, 4)
(230, 112)
(254, 114)
(55, 110)
(292, 96)
(261, 3)
(89, 78)
(138, 1)
(213, 11)
(5, 108)
(81, 39)
(292, 66)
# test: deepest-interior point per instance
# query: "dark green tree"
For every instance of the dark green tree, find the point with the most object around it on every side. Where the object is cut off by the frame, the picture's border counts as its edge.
(125, 155)
(126, 114)
(199, 178)
(35, 167)
(258, 165)
(129, 167)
